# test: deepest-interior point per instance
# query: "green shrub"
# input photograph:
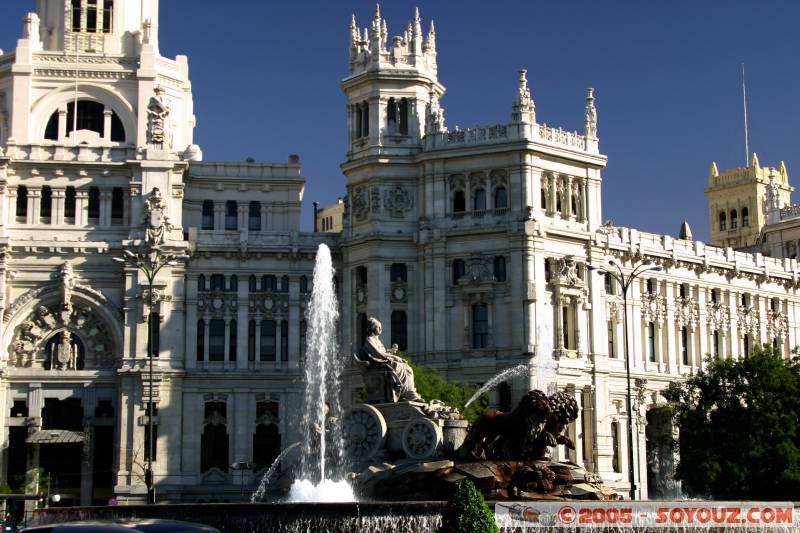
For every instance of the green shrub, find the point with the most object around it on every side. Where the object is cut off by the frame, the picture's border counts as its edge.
(467, 512)
(431, 386)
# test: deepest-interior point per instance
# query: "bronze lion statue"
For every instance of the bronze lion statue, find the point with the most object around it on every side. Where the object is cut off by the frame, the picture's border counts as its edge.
(524, 434)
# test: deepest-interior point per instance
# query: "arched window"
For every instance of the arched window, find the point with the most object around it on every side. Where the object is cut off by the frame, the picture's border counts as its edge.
(734, 221)
(404, 116)
(231, 216)
(201, 340)
(685, 345)
(391, 116)
(268, 340)
(359, 121)
(46, 205)
(458, 270)
(91, 116)
(268, 283)
(303, 284)
(94, 205)
(252, 284)
(251, 340)
(478, 199)
(500, 198)
(651, 286)
(459, 202)
(400, 329)
(76, 15)
(745, 217)
(480, 326)
(266, 445)
(69, 205)
(233, 283)
(284, 341)
(500, 268)
(543, 199)
(214, 440)
(714, 296)
(201, 283)
(208, 215)
(254, 217)
(117, 205)
(216, 340)
(217, 282)
(651, 342)
(609, 284)
(108, 16)
(284, 283)
(723, 221)
(398, 272)
(22, 203)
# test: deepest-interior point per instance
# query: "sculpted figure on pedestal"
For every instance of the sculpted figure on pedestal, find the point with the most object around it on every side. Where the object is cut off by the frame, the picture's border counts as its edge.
(387, 376)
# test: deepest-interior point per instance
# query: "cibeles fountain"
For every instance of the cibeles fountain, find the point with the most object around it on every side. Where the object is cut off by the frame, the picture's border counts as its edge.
(397, 446)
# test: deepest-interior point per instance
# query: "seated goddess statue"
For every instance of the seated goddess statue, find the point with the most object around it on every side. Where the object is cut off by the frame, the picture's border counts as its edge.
(387, 376)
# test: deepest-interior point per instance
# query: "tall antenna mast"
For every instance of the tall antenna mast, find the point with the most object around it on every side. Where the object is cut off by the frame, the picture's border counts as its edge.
(744, 104)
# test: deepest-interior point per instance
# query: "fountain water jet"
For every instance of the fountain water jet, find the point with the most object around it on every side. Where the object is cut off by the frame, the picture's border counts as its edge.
(258, 495)
(322, 440)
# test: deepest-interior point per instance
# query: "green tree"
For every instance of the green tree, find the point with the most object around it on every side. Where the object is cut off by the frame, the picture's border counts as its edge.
(739, 424)
(467, 512)
(431, 386)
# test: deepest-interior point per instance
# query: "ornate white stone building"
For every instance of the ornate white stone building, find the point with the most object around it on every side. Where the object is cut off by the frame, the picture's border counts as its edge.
(471, 246)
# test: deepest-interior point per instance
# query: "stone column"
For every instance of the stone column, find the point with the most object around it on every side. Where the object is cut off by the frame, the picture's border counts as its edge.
(107, 113)
(258, 339)
(567, 209)
(62, 124)
(81, 208)
(105, 208)
(34, 197)
(206, 338)
(190, 339)
(227, 348)
(242, 338)
(553, 179)
(58, 207)
(733, 336)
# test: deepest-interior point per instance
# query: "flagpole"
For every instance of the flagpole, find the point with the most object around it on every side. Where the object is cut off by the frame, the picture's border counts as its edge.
(744, 105)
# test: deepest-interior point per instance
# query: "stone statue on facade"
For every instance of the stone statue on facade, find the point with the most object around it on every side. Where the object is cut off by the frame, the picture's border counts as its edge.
(156, 219)
(66, 278)
(387, 376)
(773, 195)
(64, 354)
(157, 112)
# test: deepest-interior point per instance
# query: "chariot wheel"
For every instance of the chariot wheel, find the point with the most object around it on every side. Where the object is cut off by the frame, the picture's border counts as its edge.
(364, 430)
(422, 438)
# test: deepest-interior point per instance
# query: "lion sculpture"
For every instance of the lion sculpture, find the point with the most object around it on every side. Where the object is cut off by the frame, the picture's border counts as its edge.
(524, 434)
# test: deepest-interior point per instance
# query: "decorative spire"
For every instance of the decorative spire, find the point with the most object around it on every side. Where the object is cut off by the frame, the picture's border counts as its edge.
(754, 161)
(685, 232)
(783, 172)
(417, 23)
(435, 122)
(354, 35)
(590, 115)
(714, 171)
(524, 110)
(432, 38)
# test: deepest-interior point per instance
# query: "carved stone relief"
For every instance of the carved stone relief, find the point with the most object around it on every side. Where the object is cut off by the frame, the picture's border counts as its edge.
(397, 201)
(686, 312)
(360, 203)
(155, 217)
(158, 111)
(747, 320)
(654, 308)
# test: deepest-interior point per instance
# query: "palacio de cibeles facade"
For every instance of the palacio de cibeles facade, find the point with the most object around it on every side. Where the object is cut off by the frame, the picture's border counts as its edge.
(472, 246)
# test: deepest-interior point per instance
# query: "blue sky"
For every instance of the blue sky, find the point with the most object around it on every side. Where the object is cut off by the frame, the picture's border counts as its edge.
(667, 77)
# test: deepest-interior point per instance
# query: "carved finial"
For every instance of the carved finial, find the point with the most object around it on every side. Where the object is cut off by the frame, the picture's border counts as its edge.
(590, 116)
(435, 122)
(754, 161)
(354, 35)
(685, 232)
(524, 110)
(714, 171)
(783, 172)
(377, 12)
(417, 25)
(432, 38)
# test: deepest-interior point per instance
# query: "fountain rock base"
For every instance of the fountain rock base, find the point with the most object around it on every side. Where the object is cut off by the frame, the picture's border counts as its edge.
(497, 480)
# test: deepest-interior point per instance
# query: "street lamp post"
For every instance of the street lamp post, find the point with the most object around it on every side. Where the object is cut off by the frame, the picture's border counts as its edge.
(149, 263)
(625, 282)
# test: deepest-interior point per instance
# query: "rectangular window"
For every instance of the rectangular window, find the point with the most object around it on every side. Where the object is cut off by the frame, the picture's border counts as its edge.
(76, 15)
(500, 268)
(208, 215)
(615, 462)
(400, 330)
(108, 16)
(611, 334)
(268, 341)
(232, 340)
(651, 342)
(22, 203)
(303, 337)
(231, 216)
(685, 346)
(254, 217)
(251, 340)
(201, 340)
(284, 341)
(69, 205)
(46, 206)
(480, 326)
(94, 204)
(117, 205)
(216, 340)
(155, 334)
(715, 342)
(91, 16)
